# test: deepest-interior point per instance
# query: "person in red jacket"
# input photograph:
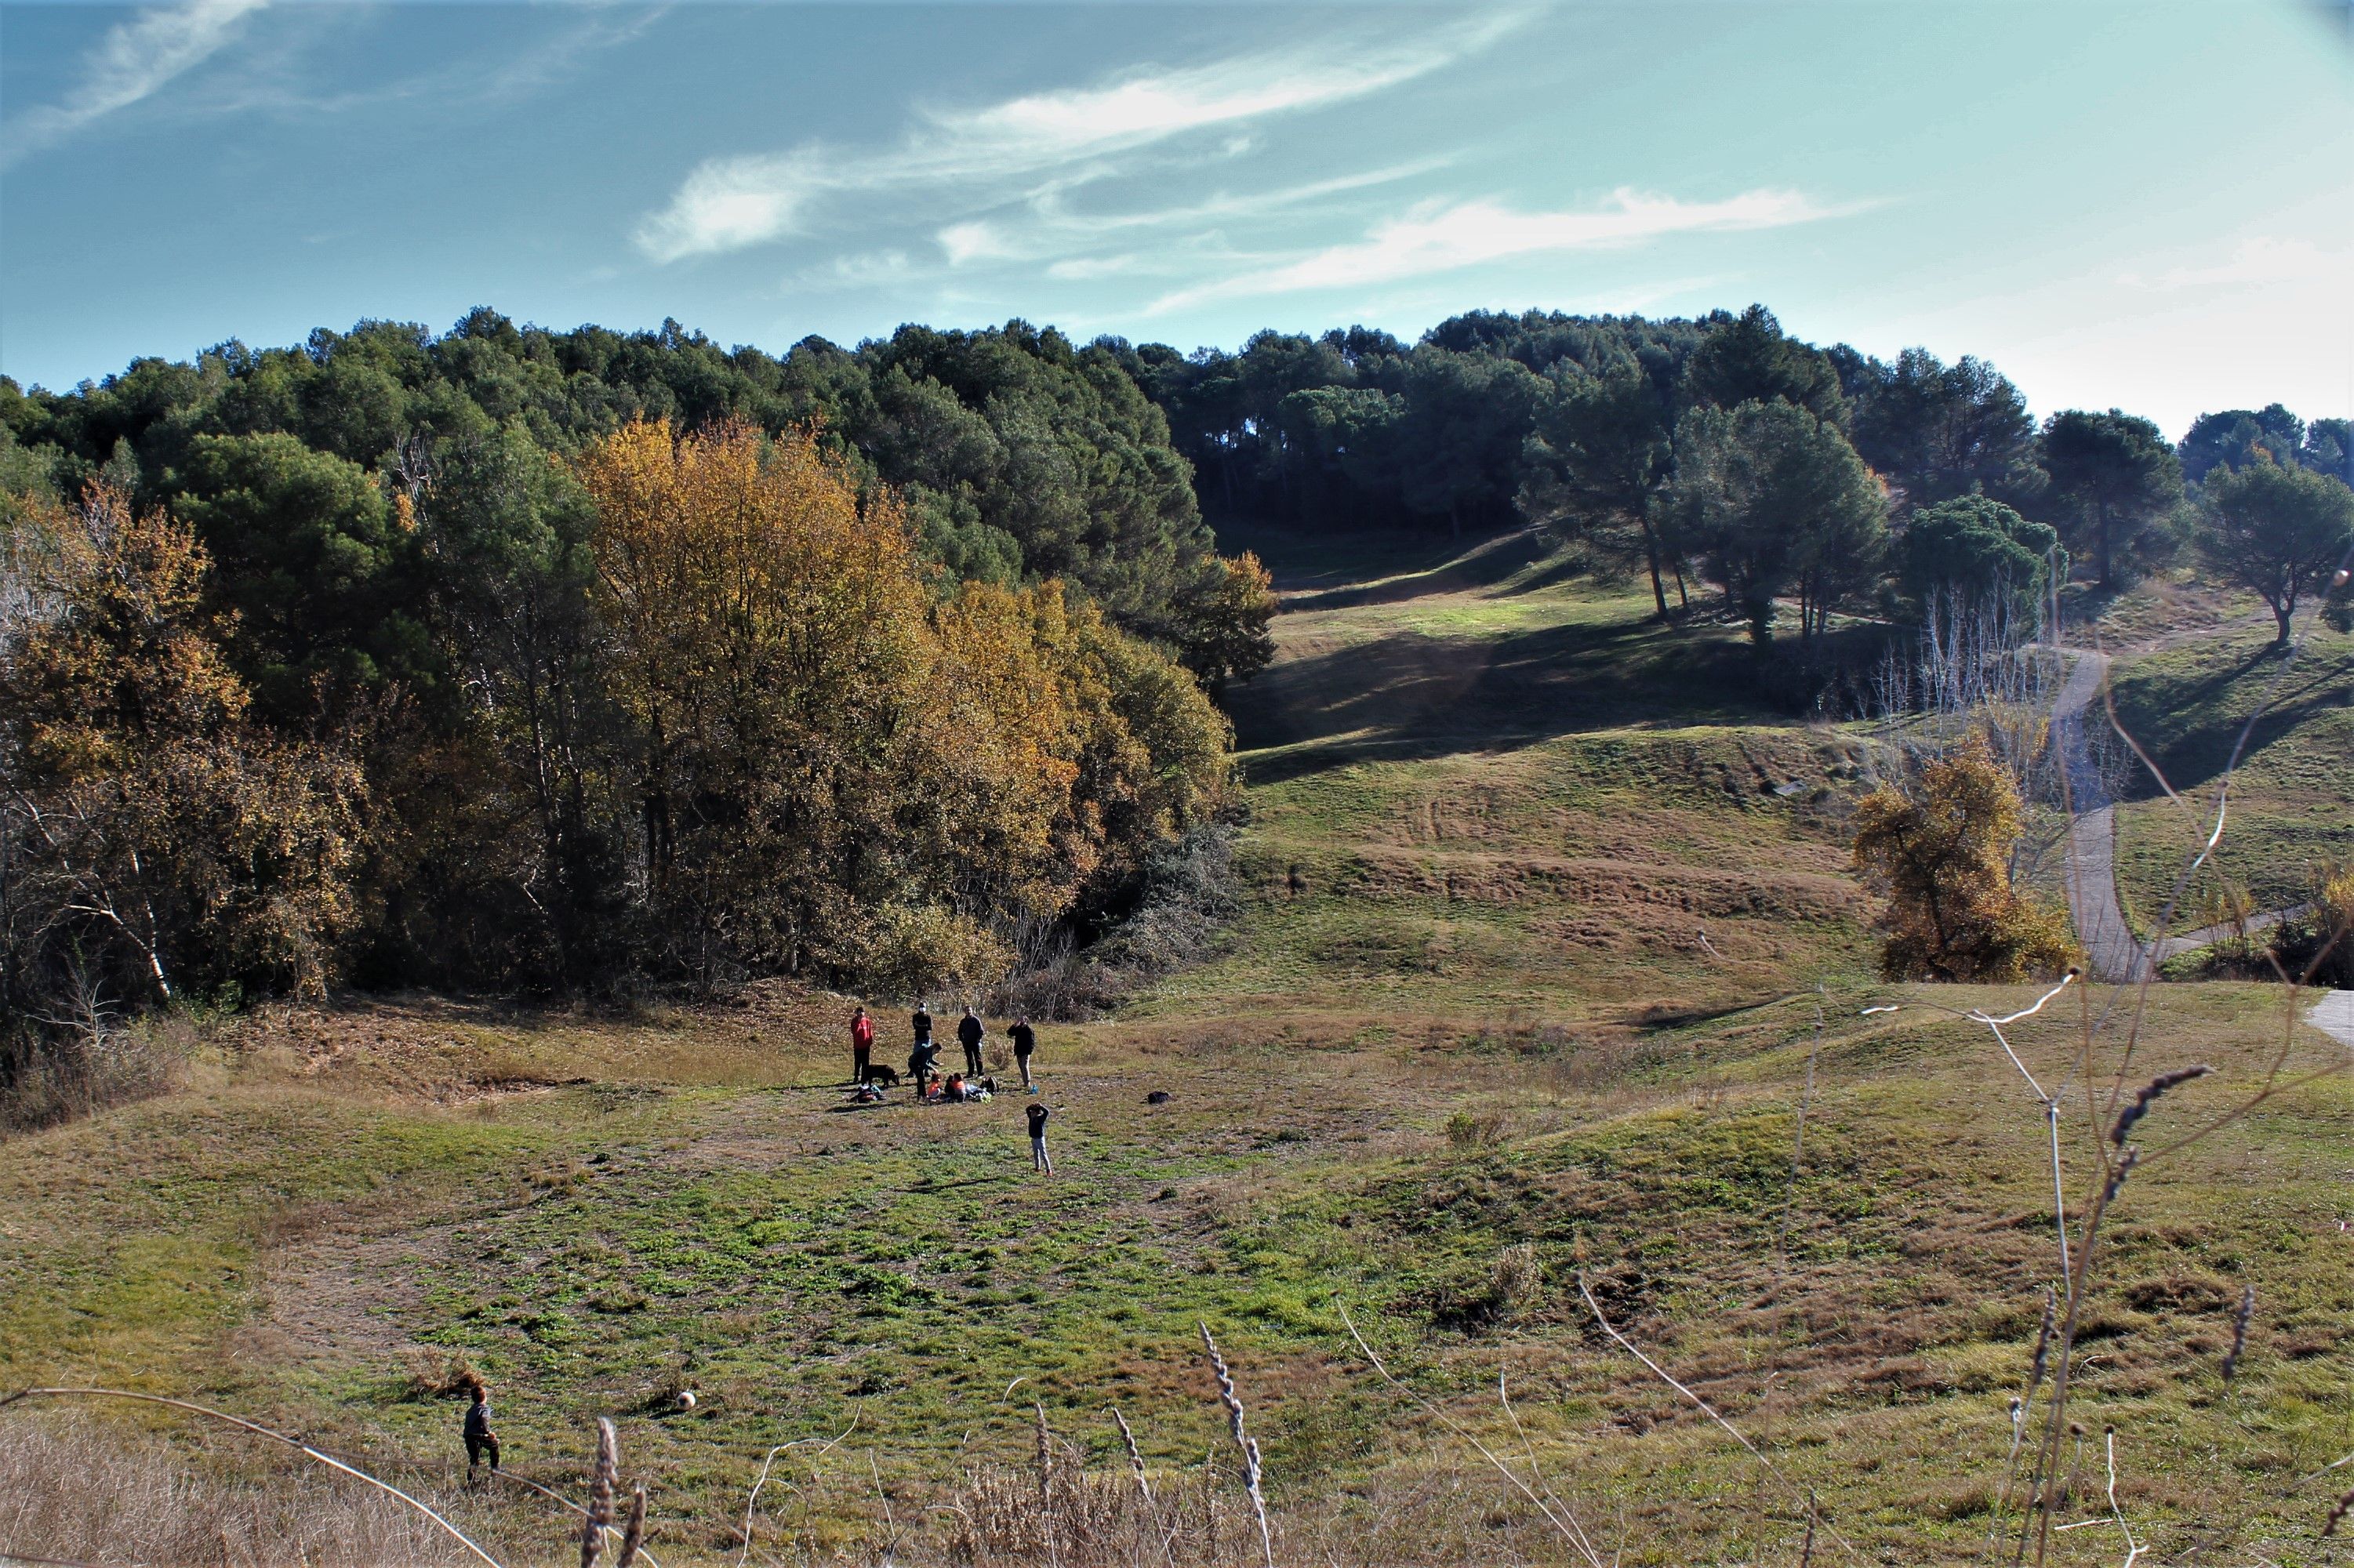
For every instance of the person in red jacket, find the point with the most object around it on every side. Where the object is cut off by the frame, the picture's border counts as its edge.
(862, 1047)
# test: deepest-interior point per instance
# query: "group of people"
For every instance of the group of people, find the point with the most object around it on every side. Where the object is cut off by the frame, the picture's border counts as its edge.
(923, 1068)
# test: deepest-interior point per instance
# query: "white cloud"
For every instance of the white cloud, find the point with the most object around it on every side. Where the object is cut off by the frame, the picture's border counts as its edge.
(135, 58)
(1053, 137)
(1441, 238)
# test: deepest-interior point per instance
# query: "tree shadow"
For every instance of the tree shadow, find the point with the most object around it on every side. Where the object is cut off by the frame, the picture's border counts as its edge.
(1483, 564)
(1409, 693)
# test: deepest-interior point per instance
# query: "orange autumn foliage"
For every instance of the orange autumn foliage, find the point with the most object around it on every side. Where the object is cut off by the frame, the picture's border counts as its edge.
(832, 770)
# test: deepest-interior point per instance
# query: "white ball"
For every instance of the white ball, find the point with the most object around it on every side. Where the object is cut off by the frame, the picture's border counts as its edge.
(687, 1399)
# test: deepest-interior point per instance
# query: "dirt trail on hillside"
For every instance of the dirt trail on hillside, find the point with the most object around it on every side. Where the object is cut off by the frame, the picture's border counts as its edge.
(2112, 951)
(2110, 947)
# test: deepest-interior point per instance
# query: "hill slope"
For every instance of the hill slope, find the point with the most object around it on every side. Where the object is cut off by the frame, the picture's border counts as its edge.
(1468, 1010)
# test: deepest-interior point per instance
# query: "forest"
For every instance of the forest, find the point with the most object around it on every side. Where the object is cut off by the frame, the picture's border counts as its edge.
(568, 663)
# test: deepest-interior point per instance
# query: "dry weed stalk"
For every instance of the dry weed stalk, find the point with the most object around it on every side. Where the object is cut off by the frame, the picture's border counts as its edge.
(1799, 1139)
(2117, 1158)
(1563, 1519)
(2240, 1321)
(562, 1502)
(260, 1431)
(634, 1533)
(1813, 1508)
(601, 1481)
(1245, 1443)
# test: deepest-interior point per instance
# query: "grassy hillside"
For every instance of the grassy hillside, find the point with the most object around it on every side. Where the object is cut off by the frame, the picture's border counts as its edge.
(1466, 1043)
(2293, 797)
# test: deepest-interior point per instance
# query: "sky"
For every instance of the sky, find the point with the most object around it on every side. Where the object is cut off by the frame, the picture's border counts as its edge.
(2147, 206)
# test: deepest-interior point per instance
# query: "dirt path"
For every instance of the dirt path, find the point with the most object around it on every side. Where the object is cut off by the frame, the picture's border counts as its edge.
(2334, 1016)
(2110, 947)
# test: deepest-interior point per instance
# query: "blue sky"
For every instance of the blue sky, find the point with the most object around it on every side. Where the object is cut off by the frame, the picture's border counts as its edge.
(2147, 204)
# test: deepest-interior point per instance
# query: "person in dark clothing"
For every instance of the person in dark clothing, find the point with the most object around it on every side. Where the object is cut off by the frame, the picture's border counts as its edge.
(923, 1022)
(1026, 1042)
(862, 1047)
(1039, 1160)
(480, 1440)
(919, 1063)
(968, 1033)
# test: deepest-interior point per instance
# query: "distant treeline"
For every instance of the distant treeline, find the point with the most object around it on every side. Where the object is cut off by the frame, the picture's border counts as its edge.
(1718, 448)
(516, 658)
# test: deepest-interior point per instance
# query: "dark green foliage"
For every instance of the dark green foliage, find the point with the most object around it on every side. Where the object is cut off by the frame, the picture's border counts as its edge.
(1773, 501)
(2114, 475)
(1938, 430)
(1601, 447)
(312, 565)
(1356, 430)
(2279, 531)
(1979, 549)
(2238, 437)
(1748, 358)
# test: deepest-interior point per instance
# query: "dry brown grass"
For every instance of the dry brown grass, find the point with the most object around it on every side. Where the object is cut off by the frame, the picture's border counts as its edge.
(93, 1492)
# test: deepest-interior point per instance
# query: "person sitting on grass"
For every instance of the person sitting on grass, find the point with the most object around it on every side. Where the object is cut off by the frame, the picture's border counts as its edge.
(480, 1439)
(954, 1091)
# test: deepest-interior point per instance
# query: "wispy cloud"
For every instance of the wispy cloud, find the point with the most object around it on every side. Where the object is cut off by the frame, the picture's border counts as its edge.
(135, 58)
(2254, 260)
(1000, 152)
(1445, 237)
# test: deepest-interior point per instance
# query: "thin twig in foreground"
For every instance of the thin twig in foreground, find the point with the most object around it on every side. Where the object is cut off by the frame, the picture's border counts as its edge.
(762, 1479)
(1569, 1529)
(1814, 1511)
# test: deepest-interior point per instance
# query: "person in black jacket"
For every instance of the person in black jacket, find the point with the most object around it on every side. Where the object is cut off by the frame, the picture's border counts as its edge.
(1039, 1159)
(1026, 1044)
(968, 1033)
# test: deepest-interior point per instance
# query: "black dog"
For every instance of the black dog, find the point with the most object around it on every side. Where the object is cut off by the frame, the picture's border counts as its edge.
(876, 1073)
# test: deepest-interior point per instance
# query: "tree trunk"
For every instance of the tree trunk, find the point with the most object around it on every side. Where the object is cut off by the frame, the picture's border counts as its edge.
(1658, 588)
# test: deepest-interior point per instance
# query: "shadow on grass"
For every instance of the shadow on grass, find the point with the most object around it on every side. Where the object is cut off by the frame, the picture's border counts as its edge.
(2197, 754)
(1409, 689)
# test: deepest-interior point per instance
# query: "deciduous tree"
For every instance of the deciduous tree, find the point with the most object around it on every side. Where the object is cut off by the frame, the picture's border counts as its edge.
(1942, 850)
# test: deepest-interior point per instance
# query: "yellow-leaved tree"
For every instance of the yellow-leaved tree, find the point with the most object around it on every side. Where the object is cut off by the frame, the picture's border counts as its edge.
(152, 826)
(835, 772)
(1942, 849)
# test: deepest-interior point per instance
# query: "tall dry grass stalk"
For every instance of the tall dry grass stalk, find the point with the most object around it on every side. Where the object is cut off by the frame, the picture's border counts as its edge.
(1244, 1442)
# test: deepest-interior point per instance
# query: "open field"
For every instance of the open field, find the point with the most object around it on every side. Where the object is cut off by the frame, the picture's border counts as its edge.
(1467, 1009)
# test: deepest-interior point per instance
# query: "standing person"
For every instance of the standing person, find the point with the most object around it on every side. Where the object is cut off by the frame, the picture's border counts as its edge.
(968, 1033)
(923, 1023)
(480, 1439)
(1039, 1159)
(919, 1063)
(1026, 1042)
(862, 1047)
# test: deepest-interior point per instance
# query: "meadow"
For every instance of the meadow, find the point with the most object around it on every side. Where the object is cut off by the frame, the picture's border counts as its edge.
(1549, 1012)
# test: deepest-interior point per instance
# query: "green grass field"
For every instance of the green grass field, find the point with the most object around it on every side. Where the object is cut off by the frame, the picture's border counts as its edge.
(1467, 1009)
(2292, 797)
